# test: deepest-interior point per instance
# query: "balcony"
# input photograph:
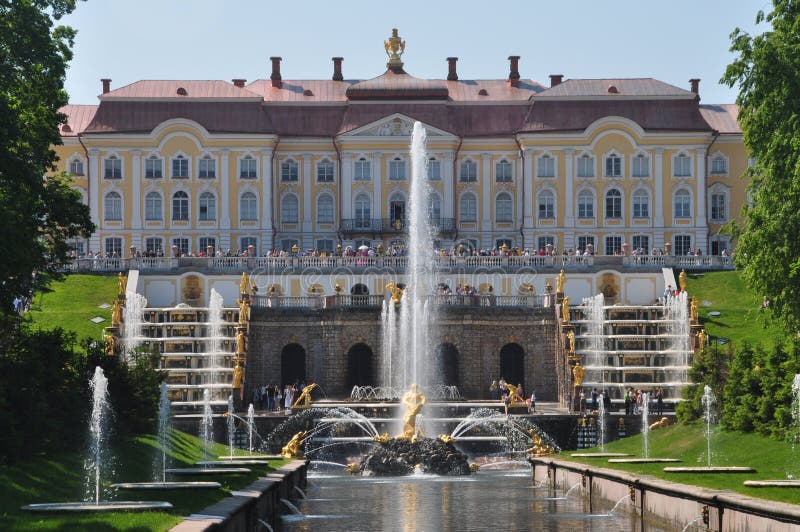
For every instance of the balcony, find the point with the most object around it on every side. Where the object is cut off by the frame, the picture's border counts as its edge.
(389, 226)
(376, 302)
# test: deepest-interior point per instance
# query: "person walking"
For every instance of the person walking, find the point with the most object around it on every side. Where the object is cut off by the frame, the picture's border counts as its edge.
(532, 407)
(659, 401)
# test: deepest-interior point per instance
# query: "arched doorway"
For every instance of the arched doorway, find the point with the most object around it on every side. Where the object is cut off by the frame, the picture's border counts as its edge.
(359, 366)
(359, 289)
(446, 365)
(512, 364)
(293, 364)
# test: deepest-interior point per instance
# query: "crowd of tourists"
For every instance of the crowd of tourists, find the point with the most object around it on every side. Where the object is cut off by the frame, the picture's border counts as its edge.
(274, 398)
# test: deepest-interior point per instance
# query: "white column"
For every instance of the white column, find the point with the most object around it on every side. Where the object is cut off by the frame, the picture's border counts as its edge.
(569, 197)
(377, 181)
(658, 202)
(94, 197)
(448, 206)
(527, 198)
(307, 180)
(700, 220)
(136, 200)
(347, 186)
(224, 200)
(266, 200)
(486, 177)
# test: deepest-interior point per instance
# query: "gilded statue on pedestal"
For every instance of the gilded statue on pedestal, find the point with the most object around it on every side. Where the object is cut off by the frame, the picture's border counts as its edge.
(693, 309)
(394, 46)
(560, 282)
(292, 447)
(116, 313)
(122, 281)
(413, 400)
(565, 310)
(701, 339)
(571, 340)
(110, 344)
(238, 375)
(244, 283)
(240, 343)
(244, 312)
(397, 292)
(578, 372)
(304, 397)
(682, 280)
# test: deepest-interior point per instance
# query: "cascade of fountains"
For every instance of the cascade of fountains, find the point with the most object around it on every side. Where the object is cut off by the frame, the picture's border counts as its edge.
(708, 401)
(214, 344)
(160, 469)
(601, 421)
(388, 326)
(100, 407)
(677, 359)
(251, 423)
(231, 425)
(645, 425)
(594, 361)
(134, 316)
(207, 424)
(408, 360)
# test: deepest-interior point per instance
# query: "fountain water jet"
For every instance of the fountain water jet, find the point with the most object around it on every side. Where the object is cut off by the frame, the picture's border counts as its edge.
(645, 425)
(230, 425)
(135, 304)
(251, 419)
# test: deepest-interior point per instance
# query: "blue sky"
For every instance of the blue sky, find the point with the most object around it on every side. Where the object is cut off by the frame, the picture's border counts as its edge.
(673, 40)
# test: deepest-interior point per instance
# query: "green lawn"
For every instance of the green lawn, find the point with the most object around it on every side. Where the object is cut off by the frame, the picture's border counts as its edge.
(71, 303)
(60, 478)
(772, 459)
(741, 318)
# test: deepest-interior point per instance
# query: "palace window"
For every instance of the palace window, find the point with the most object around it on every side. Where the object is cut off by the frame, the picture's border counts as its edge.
(641, 166)
(325, 171)
(547, 204)
(502, 172)
(154, 245)
(207, 207)
(153, 206)
(207, 167)
(719, 206)
(153, 167)
(76, 167)
(585, 166)
(112, 207)
(546, 166)
(363, 211)
(434, 209)
(641, 204)
(504, 208)
(682, 165)
(543, 241)
(182, 244)
(397, 169)
(363, 170)
(112, 167)
(613, 245)
(641, 242)
(180, 167)
(584, 242)
(434, 170)
(585, 204)
(468, 208)
(325, 209)
(208, 242)
(683, 245)
(719, 165)
(113, 247)
(468, 172)
(613, 166)
(180, 206)
(248, 167)
(289, 209)
(246, 241)
(613, 203)
(248, 207)
(683, 204)
(289, 170)
(326, 245)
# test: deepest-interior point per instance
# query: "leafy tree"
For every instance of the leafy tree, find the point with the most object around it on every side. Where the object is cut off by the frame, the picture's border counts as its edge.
(39, 215)
(767, 71)
(710, 367)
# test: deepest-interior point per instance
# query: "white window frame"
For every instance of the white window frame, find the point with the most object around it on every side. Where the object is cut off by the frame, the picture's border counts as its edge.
(610, 250)
(362, 211)
(210, 163)
(207, 212)
(180, 157)
(248, 206)
(77, 161)
(473, 208)
(362, 169)
(718, 165)
(204, 241)
(687, 205)
(546, 211)
(183, 244)
(116, 168)
(546, 166)
(113, 248)
(636, 204)
(290, 171)
(434, 208)
(112, 212)
(153, 209)
(185, 198)
(468, 171)
(722, 191)
(585, 166)
(617, 162)
(326, 171)
(640, 165)
(286, 210)
(507, 210)
(246, 240)
(436, 175)
(679, 160)
(397, 169)
(636, 242)
(583, 215)
(150, 170)
(681, 250)
(618, 198)
(327, 219)
(251, 172)
(154, 239)
(503, 171)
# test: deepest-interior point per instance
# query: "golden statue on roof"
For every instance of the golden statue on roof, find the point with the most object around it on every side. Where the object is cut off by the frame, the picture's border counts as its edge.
(394, 46)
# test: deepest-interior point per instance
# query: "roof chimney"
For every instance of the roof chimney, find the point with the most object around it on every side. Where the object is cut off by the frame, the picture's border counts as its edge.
(695, 82)
(239, 82)
(513, 75)
(276, 72)
(555, 79)
(337, 68)
(452, 75)
(106, 85)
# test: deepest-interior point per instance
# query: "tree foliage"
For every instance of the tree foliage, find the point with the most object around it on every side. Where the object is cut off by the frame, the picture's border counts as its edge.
(710, 367)
(39, 215)
(767, 71)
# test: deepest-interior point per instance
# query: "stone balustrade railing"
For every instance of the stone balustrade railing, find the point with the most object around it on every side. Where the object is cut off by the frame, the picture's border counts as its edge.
(376, 301)
(289, 265)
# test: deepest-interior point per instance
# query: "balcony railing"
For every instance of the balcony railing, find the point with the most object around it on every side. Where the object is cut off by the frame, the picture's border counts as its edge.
(392, 225)
(376, 301)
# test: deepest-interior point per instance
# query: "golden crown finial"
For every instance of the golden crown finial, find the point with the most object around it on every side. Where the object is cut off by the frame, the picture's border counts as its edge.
(394, 46)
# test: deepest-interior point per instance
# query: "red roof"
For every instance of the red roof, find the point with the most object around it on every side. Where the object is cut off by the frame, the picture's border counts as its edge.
(78, 117)
(722, 117)
(630, 87)
(168, 89)
(397, 84)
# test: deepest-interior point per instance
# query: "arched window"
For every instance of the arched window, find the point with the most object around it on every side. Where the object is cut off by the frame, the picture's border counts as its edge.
(289, 170)
(325, 171)
(325, 209)
(434, 169)
(585, 204)
(208, 207)
(207, 167)
(719, 165)
(468, 208)
(683, 204)
(504, 208)
(468, 172)
(397, 169)
(112, 168)
(363, 170)
(153, 167)
(614, 203)
(434, 208)
(613, 165)
(152, 206)
(502, 172)
(641, 165)
(682, 165)
(641, 204)
(547, 204)
(112, 207)
(180, 206)
(248, 167)
(546, 166)
(76, 167)
(289, 209)
(248, 207)
(585, 166)
(180, 167)
(363, 211)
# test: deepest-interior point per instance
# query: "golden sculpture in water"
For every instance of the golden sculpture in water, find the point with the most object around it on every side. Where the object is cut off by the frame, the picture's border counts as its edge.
(394, 46)
(565, 309)
(244, 283)
(571, 339)
(383, 438)
(292, 448)
(560, 282)
(110, 344)
(397, 292)
(682, 280)
(413, 400)
(116, 313)
(244, 311)
(578, 372)
(693, 309)
(122, 281)
(473, 467)
(446, 438)
(353, 468)
(701, 339)
(240, 343)
(304, 397)
(238, 375)
(539, 448)
(513, 393)
(661, 423)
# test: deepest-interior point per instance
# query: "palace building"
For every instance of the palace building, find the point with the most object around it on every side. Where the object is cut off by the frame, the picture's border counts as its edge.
(190, 167)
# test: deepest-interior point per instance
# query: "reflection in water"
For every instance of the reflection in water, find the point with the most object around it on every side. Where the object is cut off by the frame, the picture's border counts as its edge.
(488, 500)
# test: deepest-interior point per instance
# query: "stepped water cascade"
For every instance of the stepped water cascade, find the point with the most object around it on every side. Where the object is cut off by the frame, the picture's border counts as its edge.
(97, 432)
(677, 358)
(134, 316)
(594, 359)
(214, 343)
(160, 466)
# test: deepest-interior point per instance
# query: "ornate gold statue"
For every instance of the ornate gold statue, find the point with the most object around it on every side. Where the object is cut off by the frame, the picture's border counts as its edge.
(383, 438)
(244, 312)
(571, 339)
(578, 372)
(693, 309)
(701, 339)
(353, 468)
(413, 400)
(560, 282)
(116, 313)
(661, 423)
(446, 438)
(122, 281)
(238, 374)
(240, 343)
(110, 344)
(539, 448)
(292, 448)
(337, 288)
(682, 280)
(304, 397)
(565, 310)
(244, 283)
(394, 46)
(513, 393)
(397, 292)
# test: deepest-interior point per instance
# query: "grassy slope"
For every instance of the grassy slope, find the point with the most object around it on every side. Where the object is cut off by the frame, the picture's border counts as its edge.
(61, 478)
(71, 303)
(772, 459)
(741, 316)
